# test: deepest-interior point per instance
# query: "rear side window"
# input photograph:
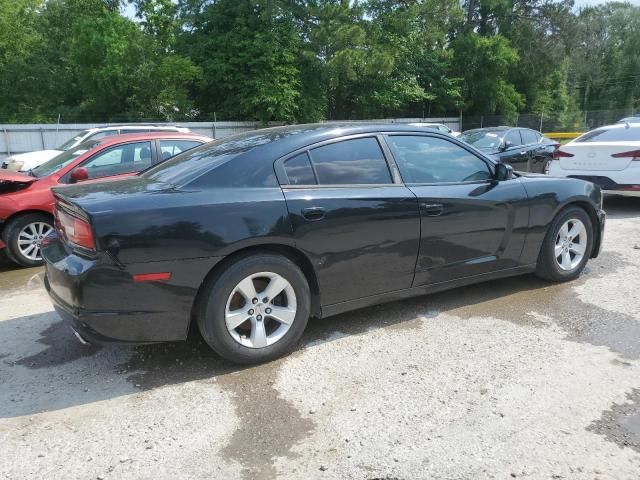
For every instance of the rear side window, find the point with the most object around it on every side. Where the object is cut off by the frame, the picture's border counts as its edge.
(299, 170)
(622, 134)
(528, 136)
(435, 160)
(513, 136)
(358, 161)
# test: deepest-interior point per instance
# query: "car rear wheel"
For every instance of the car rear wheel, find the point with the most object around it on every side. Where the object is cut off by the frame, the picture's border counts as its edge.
(255, 310)
(23, 236)
(567, 246)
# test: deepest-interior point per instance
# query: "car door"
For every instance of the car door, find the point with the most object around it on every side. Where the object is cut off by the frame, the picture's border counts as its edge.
(471, 224)
(352, 217)
(535, 150)
(515, 154)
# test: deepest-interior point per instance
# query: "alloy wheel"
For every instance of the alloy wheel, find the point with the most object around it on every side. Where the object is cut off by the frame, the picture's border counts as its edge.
(260, 309)
(30, 240)
(571, 244)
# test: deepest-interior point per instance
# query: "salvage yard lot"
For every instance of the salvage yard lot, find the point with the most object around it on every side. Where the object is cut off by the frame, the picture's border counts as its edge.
(511, 378)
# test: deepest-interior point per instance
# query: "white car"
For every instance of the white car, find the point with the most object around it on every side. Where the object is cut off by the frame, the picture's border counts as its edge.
(441, 127)
(607, 156)
(23, 162)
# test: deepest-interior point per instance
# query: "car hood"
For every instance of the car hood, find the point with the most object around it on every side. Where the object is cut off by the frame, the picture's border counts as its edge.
(14, 181)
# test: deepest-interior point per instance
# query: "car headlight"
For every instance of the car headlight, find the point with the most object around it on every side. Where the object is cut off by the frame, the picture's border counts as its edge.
(15, 165)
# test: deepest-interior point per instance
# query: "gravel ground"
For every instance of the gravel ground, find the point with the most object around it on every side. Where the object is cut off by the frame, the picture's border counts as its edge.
(509, 379)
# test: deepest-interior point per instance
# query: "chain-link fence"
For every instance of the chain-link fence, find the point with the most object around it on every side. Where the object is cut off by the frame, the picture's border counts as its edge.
(550, 121)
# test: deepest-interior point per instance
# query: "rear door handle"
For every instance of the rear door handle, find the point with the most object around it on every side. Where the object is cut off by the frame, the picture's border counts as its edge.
(432, 209)
(314, 213)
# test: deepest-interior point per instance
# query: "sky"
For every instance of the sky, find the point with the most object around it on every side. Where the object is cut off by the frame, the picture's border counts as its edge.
(584, 3)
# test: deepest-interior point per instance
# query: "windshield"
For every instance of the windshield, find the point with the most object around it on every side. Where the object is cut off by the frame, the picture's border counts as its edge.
(65, 158)
(72, 141)
(482, 140)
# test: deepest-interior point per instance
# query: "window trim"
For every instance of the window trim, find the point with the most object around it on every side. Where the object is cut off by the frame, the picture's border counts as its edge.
(490, 164)
(283, 179)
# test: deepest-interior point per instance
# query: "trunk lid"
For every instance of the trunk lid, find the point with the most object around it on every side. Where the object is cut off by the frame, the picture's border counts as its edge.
(595, 156)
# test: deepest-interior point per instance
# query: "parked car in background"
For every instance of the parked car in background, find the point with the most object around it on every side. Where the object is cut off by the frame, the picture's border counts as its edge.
(26, 201)
(524, 149)
(607, 156)
(23, 162)
(251, 235)
(633, 119)
(441, 127)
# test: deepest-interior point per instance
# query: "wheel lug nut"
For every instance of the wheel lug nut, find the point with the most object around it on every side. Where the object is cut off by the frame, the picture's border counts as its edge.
(250, 311)
(265, 300)
(259, 318)
(254, 301)
(268, 310)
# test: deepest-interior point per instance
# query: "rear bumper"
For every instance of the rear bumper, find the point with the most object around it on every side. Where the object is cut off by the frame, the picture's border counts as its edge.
(104, 305)
(610, 186)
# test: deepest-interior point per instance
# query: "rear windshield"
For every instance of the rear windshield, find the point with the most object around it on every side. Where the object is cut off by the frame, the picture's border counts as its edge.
(622, 134)
(187, 166)
(65, 158)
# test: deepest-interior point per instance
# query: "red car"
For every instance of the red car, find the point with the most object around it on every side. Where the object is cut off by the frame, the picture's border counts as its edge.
(26, 201)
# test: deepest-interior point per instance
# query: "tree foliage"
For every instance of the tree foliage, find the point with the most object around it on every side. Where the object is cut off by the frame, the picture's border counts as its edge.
(308, 60)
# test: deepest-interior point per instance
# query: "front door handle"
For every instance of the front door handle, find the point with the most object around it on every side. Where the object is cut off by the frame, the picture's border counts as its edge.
(314, 213)
(432, 209)
(524, 152)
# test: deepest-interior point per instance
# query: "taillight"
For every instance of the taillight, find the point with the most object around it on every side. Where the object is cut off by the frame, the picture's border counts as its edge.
(634, 154)
(558, 154)
(74, 230)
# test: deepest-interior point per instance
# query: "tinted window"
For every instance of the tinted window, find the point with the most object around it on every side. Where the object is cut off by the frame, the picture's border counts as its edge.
(513, 136)
(357, 161)
(435, 160)
(299, 171)
(622, 134)
(169, 148)
(128, 158)
(529, 136)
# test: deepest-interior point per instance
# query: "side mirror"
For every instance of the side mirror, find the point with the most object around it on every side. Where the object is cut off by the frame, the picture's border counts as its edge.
(503, 172)
(79, 174)
(506, 145)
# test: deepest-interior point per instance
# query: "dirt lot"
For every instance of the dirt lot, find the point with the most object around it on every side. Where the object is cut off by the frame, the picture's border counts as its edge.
(509, 379)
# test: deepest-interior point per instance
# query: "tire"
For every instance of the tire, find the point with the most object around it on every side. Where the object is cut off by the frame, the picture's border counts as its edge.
(224, 302)
(561, 269)
(18, 230)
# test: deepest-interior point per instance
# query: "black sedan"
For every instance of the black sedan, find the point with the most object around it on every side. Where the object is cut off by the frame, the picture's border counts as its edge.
(524, 149)
(246, 238)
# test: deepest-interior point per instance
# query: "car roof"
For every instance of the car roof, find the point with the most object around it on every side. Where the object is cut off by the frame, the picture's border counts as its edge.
(131, 137)
(134, 126)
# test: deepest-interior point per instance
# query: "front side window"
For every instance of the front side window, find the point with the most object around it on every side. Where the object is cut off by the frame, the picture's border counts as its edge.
(528, 137)
(436, 160)
(513, 138)
(357, 161)
(169, 148)
(65, 158)
(118, 160)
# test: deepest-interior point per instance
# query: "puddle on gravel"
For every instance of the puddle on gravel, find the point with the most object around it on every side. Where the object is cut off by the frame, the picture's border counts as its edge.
(269, 426)
(621, 423)
(62, 348)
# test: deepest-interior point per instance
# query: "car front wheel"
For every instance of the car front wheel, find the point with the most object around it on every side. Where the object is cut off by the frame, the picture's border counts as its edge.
(567, 246)
(23, 236)
(255, 310)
